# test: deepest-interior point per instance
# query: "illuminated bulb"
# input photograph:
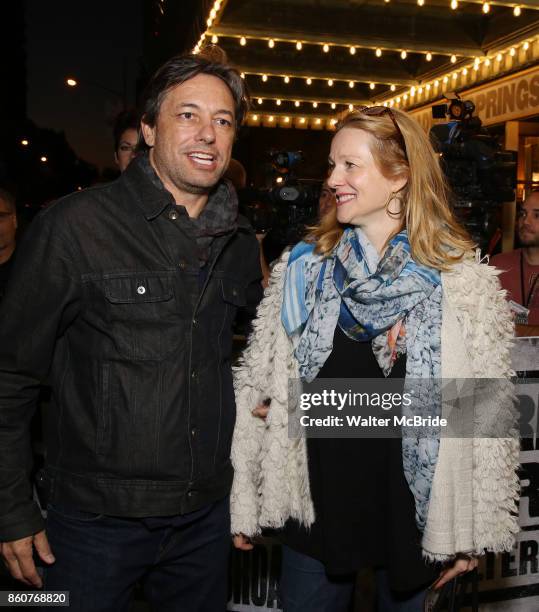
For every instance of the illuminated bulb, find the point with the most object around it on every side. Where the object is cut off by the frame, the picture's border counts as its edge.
(352, 50)
(398, 100)
(315, 104)
(264, 77)
(453, 59)
(517, 11)
(350, 107)
(499, 57)
(286, 79)
(372, 85)
(213, 14)
(296, 103)
(385, 104)
(445, 80)
(217, 5)
(299, 46)
(215, 39)
(43, 159)
(392, 103)
(71, 82)
(333, 122)
(302, 120)
(351, 84)
(309, 81)
(333, 106)
(278, 102)
(405, 97)
(260, 100)
(378, 53)
(512, 53)
(465, 71)
(392, 88)
(196, 50)
(454, 4)
(526, 46)
(326, 48)
(436, 83)
(486, 7)
(412, 92)
(428, 57)
(270, 118)
(242, 75)
(318, 121)
(487, 62)
(209, 22)
(427, 86)
(243, 41)
(330, 82)
(420, 2)
(255, 117)
(279, 179)
(404, 55)
(420, 90)
(271, 43)
(24, 143)
(455, 75)
(287, 119)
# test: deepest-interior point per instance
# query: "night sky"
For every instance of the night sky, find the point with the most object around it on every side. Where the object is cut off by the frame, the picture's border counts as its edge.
(91, 41)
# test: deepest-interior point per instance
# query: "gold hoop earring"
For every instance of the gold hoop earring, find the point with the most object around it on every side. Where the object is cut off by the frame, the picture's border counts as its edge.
(394, 196)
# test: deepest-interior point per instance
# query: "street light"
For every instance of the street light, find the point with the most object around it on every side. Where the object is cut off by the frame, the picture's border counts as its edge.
(24, 142)
(43, 159)
(71, 82)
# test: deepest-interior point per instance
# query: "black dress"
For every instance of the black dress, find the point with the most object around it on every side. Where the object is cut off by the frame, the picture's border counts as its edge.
(365, 513)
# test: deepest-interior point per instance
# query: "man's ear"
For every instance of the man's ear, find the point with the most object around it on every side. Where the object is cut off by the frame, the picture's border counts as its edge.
(148, 133)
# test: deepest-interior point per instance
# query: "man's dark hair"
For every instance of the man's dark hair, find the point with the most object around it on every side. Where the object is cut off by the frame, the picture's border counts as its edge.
(181, 68)
(127, 119)
(7, 197)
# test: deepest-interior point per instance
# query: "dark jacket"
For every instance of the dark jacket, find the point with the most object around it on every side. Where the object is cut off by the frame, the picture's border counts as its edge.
(107, 302)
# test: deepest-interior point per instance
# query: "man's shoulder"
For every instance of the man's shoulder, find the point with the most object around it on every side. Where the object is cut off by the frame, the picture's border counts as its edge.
(505, 261)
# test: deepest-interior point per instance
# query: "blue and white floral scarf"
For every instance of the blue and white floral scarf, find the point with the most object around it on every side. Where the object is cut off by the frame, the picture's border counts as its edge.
(366, 296)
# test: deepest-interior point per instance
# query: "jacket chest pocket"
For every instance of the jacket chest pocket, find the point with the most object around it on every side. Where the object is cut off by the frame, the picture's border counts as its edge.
(143, 315)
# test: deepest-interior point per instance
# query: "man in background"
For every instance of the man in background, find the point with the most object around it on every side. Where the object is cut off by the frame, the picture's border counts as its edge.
(8, 230)
(520, 268)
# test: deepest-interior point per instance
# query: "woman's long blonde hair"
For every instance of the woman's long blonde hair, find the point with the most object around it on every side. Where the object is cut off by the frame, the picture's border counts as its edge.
(436, 238)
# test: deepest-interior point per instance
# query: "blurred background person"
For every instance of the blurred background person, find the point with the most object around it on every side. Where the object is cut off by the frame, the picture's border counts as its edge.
(126, 138)
(8, 230)
(520, 268)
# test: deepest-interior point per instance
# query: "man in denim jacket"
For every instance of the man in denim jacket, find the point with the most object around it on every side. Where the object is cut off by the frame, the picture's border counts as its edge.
(123, 299)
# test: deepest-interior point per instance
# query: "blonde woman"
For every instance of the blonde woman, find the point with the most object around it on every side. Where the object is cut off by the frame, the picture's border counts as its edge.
(385, 285)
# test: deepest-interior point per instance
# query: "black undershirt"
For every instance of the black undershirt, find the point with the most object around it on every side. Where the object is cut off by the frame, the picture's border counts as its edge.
(363, 506)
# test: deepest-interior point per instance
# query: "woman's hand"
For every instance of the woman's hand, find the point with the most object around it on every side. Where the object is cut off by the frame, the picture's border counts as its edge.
(262, 409)
(461, 565)
(242, 542)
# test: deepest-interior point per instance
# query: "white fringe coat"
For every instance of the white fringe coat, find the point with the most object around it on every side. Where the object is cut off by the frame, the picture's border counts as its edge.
(475, 488)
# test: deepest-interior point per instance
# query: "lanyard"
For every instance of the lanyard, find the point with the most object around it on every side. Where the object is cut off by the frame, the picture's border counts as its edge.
(525, 302)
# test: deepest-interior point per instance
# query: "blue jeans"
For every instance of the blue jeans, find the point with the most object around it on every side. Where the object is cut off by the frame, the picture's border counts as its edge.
(181, 561)
(306, 587)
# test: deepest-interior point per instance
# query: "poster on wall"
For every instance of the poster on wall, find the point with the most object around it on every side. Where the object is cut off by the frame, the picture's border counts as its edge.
(508, 582)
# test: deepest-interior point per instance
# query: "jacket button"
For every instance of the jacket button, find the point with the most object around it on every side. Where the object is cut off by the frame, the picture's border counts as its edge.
(195, 321)
(194, 374)
(234, 292)
(181, 265)
(141, 290)
(173, 215)
(193, 432)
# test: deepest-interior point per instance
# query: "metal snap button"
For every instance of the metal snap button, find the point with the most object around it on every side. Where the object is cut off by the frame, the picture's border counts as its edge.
(173, 215)
(141, 290)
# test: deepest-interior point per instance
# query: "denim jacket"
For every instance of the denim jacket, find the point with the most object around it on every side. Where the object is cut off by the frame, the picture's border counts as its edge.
(107, 303)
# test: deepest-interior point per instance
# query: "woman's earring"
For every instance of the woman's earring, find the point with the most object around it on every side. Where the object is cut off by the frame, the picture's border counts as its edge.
(394, 196)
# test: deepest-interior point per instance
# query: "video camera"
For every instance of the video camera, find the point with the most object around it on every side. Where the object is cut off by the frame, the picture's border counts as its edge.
(287, 208)
(481, 175)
